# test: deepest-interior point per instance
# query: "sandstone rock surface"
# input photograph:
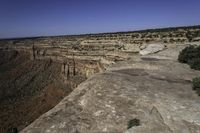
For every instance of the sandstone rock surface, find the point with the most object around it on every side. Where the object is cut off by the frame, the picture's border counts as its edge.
(152, 48)
(153, 88)
(158, 92)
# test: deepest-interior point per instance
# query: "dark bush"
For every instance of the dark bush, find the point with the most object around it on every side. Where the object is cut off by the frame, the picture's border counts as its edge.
(133, 122)
(196, 84)
(191, 56)
(12, 130)
(195, 63)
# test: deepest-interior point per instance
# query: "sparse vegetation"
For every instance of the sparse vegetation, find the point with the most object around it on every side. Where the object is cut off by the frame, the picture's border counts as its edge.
(189, 36)
(133, 122)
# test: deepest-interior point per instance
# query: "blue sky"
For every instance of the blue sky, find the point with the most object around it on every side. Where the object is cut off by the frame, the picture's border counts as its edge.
(26, 18)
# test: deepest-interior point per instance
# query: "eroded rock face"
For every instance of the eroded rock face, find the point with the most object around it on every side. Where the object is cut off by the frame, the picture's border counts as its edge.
(30, 87)
(159, 94)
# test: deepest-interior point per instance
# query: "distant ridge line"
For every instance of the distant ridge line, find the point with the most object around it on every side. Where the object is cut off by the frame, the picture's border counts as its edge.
(120, 32)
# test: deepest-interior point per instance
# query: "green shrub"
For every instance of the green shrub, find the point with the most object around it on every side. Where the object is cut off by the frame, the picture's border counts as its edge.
(195, 63)
(196, 84)
(133, 122)
(191, 56)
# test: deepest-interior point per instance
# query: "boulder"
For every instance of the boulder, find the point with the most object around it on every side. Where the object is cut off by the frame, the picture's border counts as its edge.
(152, 48)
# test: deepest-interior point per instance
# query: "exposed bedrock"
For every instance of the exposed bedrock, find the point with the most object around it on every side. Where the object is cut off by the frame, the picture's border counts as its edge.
(138, 80)
(159, 94)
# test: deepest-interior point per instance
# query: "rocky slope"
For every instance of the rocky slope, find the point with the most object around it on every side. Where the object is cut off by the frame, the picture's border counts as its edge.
(158, 92)
(146, 83)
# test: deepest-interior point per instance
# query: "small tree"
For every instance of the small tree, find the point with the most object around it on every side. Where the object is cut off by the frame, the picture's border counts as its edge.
(191, 56)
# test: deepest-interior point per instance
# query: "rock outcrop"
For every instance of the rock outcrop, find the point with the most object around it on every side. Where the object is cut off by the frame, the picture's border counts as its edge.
(138, 78)
(157, 92)
(152, 48)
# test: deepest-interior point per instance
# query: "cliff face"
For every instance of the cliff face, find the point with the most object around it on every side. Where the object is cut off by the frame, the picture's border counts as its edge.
(29, 88)
(36, 73)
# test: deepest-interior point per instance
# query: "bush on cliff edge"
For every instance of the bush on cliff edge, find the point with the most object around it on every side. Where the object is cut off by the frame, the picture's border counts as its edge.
(191, 56)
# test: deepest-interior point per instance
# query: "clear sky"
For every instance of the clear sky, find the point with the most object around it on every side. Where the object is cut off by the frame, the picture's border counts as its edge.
(25, 18)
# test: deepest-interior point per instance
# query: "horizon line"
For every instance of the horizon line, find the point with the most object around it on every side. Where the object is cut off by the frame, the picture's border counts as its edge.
(99, 33)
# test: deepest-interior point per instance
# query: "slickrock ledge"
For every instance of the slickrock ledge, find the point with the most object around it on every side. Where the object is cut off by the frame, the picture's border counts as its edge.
(158, 92)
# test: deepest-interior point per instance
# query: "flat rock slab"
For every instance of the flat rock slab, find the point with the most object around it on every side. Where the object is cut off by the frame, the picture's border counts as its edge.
(152, 48)
(159, 94)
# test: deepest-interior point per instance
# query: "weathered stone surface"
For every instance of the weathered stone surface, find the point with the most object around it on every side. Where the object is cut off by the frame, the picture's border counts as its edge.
(159, 94)
(152, 48)
(153, 88)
